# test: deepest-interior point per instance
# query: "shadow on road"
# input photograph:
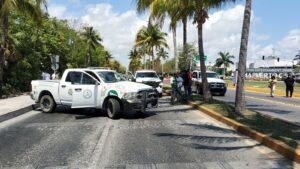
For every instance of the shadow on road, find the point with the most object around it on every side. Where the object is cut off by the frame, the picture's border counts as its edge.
(216, 143)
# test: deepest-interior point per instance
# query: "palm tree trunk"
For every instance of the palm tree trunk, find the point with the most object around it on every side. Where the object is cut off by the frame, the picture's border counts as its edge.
(4, 44)
(153, 60)
(185, 52)
(240, 103)
(175, 48)
(206, 92)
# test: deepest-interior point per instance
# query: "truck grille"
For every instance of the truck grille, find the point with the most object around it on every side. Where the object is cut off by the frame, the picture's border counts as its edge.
(150, 94)
(153, 84)
(216, 85)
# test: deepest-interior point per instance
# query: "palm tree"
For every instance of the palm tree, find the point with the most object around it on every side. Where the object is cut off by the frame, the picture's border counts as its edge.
(224, 60)
(199, 9)
(30, 7)
(162, 54)
(135, 54)
(151, 37)
(240, 103)
(92, 38)
(159, 9)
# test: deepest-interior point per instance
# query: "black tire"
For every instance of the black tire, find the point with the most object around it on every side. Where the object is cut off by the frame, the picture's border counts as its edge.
(113, 108)
(47, 104)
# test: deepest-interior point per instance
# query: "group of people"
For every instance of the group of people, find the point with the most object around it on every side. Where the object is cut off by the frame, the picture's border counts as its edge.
(179, 80)
(289, 83)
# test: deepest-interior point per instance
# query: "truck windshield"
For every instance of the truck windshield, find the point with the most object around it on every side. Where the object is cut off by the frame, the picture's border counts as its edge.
(110, 77)
(146, 74)
(212, 75)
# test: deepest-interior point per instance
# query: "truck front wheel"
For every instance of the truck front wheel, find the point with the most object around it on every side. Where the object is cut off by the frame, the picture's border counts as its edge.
(113, 108)
(47, 104)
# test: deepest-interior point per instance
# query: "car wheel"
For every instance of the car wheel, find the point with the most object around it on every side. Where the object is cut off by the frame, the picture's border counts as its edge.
(47, 104)
(113, 108)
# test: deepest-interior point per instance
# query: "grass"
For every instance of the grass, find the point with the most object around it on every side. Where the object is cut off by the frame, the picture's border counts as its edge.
(280, 86)
(274, 128)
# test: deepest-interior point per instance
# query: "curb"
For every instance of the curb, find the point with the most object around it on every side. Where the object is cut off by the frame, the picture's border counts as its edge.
(278, 146)
(16, 113)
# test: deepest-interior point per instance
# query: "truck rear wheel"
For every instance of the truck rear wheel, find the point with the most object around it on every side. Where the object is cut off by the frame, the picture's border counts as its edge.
(47, 104)
(113, 108)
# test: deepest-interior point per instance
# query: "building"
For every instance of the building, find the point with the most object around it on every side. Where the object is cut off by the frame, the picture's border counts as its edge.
(272, 65)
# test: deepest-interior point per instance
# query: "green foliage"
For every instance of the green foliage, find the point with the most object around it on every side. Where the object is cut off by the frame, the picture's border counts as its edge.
(191, 53)
(297, 70)
(31, 46)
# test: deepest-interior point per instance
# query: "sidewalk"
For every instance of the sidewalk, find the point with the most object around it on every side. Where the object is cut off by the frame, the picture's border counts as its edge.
(15, 106)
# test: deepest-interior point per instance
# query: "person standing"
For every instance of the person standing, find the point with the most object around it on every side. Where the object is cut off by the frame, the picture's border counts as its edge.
(289, 82)
(272, 85)
(186, 84)
(190, 76)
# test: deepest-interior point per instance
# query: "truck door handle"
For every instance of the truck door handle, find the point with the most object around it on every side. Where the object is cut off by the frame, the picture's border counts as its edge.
(78, 89)
(63, 86)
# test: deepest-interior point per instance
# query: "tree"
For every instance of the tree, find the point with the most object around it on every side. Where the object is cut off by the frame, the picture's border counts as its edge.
(92, 38)
(32, 8)
(225, 60)
(160, 9)
(151, 37)
(240, 102)
(199, 9)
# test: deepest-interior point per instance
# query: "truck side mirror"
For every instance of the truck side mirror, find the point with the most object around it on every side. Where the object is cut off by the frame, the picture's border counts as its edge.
(97, 83)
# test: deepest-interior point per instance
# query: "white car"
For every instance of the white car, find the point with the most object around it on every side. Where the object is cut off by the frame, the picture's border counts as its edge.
(149, 77)
(93, 88)
(216, 85)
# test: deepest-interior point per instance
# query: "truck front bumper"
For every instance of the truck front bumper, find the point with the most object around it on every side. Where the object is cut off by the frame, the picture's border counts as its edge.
(142, 103)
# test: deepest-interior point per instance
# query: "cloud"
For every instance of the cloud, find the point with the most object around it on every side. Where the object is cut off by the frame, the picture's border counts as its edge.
(118, 30)
(57, 11)
(222, 32)
(289, 45)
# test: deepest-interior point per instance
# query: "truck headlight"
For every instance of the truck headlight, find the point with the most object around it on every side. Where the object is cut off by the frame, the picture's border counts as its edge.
(130, 95)
(161, 85)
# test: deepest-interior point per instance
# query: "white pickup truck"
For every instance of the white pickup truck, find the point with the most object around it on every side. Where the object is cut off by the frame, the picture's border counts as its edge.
(216, 85)
(93, 88)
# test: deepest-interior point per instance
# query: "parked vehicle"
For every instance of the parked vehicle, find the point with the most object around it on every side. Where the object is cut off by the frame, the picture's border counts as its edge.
(297, 78)
(93, 88)
(150, 78)
(216, 85)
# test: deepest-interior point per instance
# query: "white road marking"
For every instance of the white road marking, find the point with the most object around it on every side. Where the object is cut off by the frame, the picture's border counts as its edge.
(94, 161)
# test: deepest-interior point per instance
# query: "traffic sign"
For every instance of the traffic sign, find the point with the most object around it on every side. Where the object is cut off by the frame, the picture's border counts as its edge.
(54, 62)
(197, 58)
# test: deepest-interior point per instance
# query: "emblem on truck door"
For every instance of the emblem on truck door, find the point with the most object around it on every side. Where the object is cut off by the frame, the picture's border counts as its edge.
(70, 92)
(87, 93)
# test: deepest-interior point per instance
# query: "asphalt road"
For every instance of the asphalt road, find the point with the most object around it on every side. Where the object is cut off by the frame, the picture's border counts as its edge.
(166, 137)
(278, 106)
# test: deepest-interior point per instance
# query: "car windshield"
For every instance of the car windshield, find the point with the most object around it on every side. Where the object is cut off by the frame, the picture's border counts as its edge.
(146, 74)
(110, 77)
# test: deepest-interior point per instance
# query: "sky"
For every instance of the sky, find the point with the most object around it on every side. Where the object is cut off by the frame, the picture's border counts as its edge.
(275, 27)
